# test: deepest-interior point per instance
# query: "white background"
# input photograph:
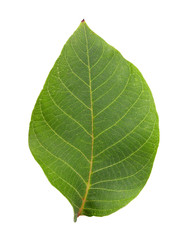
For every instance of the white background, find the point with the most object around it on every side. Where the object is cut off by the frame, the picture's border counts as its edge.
(150, 34)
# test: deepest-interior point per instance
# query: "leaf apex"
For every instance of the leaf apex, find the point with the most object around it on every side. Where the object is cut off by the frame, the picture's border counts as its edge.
(83, 20)
(75, 217)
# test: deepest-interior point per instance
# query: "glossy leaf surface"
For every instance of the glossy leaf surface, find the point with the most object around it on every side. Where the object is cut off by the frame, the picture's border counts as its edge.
(94, 128)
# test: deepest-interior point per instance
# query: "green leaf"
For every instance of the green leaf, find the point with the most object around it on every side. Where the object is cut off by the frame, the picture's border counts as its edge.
(94, 129)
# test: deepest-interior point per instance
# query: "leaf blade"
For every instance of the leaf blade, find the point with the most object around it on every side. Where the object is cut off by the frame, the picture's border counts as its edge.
(94, 129)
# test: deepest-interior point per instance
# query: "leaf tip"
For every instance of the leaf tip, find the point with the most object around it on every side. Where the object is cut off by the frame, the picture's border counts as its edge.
(75, 217)
(83, 20)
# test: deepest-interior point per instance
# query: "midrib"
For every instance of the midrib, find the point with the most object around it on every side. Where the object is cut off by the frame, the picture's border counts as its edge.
(92, 135)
